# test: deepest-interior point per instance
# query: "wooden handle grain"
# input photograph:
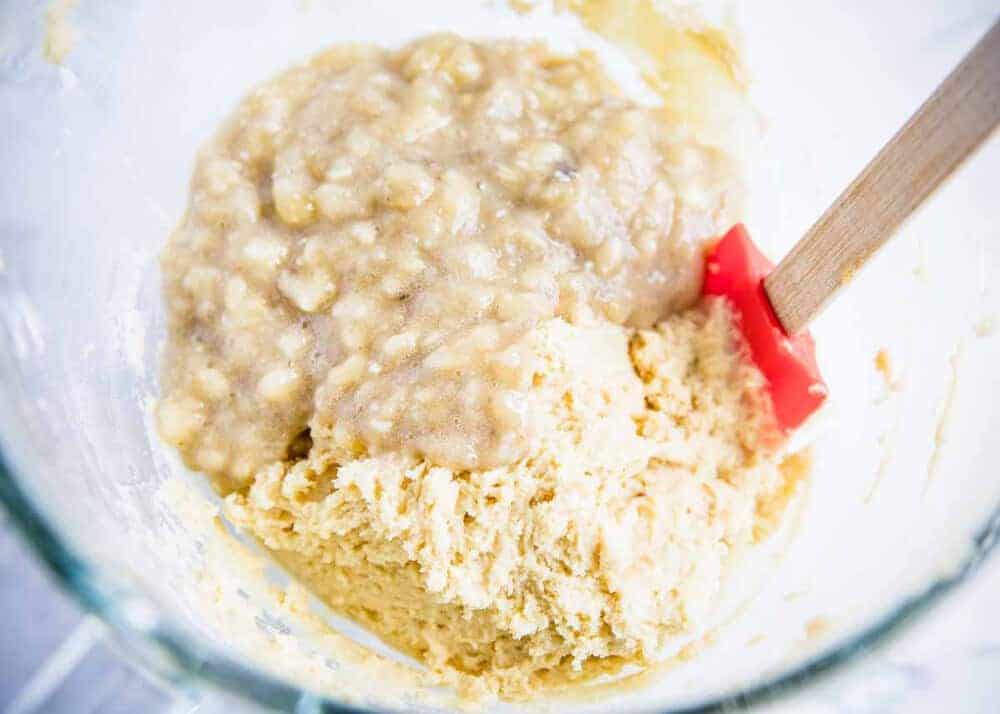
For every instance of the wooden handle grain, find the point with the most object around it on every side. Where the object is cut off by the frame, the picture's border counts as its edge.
(960, 115)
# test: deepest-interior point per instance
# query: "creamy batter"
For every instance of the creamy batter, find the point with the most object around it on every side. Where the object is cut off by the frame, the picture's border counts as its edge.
(433, 333)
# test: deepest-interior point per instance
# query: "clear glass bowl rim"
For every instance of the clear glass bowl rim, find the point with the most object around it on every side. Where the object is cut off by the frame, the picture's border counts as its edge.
(173, 654)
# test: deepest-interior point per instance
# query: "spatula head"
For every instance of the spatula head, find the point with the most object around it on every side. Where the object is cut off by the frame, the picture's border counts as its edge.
(735, 269)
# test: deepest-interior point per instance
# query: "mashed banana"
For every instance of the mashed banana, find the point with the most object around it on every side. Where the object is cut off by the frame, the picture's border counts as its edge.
(413, 338)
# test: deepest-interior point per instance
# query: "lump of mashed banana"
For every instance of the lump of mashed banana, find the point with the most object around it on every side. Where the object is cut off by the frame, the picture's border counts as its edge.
(431, 333)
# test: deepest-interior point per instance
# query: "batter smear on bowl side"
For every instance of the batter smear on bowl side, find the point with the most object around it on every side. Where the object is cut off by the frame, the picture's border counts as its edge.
(435, 334)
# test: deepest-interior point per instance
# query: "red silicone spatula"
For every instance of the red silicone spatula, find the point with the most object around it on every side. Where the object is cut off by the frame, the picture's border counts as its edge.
(773, 305)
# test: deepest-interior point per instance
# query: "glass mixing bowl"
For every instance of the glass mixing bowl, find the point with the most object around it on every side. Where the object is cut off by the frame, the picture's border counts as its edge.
(96, 155)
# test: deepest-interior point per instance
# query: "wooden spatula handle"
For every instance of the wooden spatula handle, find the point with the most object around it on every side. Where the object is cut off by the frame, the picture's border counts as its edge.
(959, 116)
